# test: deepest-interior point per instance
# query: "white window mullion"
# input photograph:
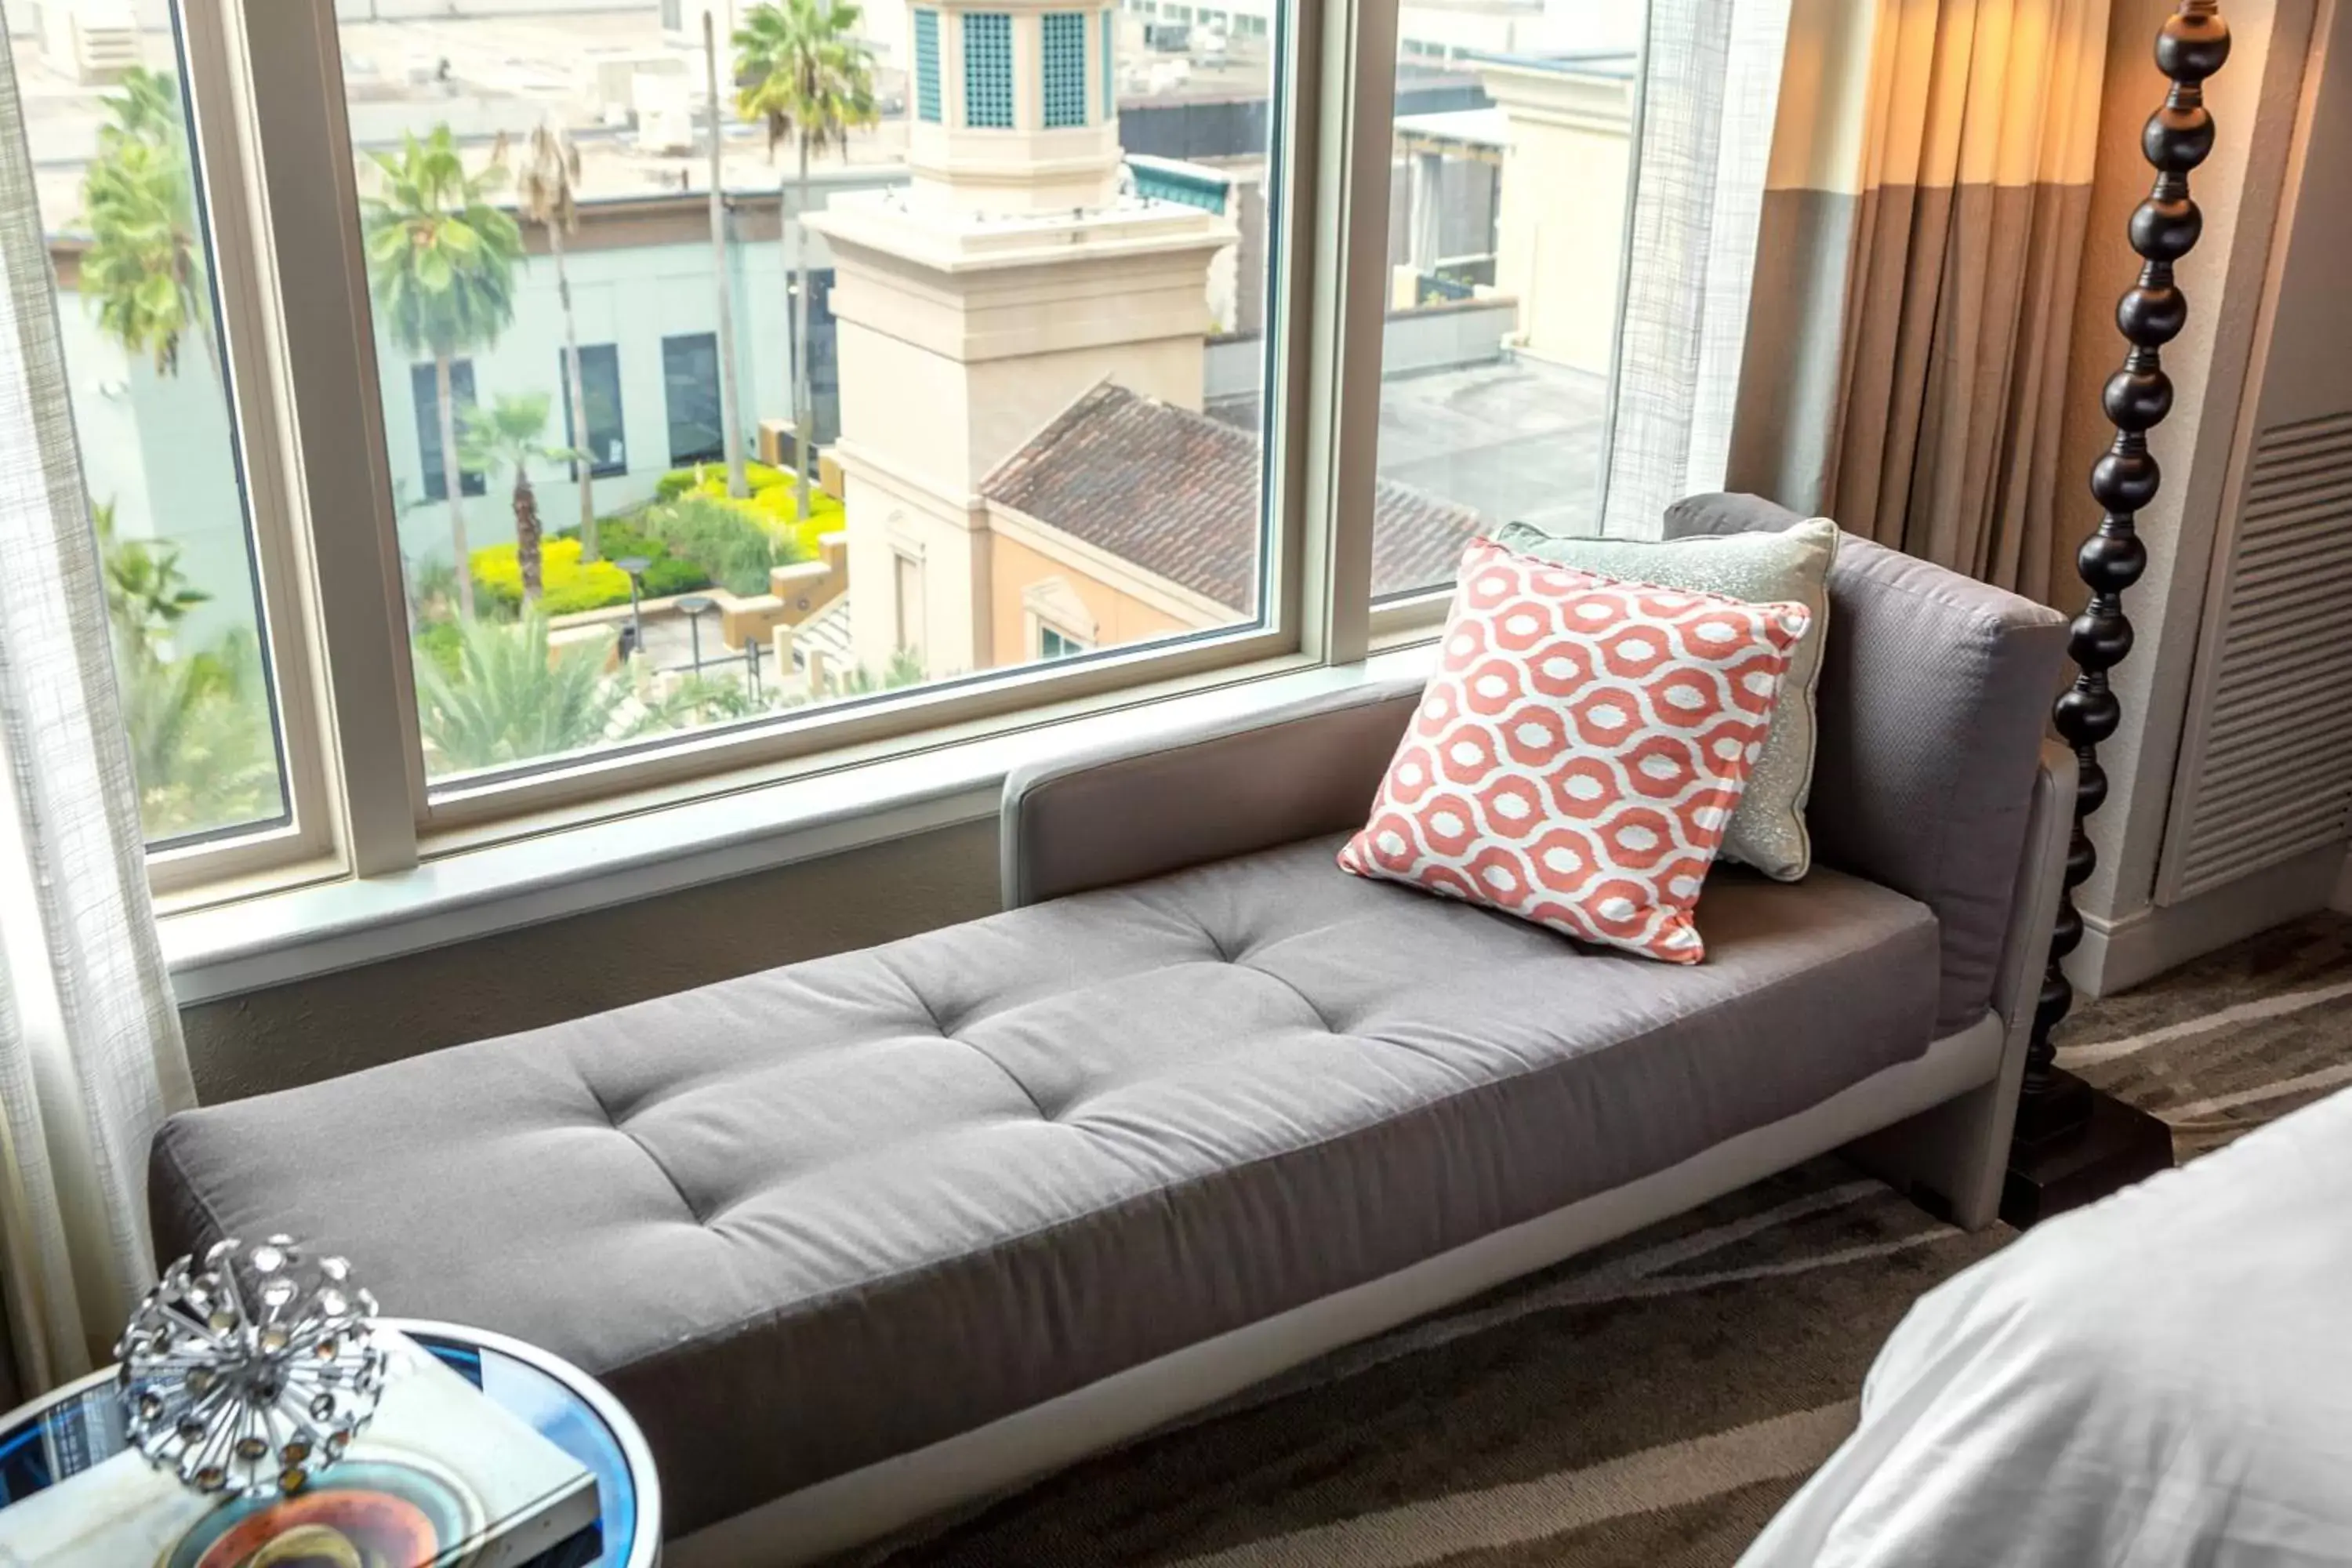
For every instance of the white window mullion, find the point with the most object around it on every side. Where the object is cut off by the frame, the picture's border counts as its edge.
(337, 508)
(1349, 46)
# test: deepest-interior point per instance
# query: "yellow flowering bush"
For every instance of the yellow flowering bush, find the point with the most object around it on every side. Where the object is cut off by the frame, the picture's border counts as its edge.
(565, 584)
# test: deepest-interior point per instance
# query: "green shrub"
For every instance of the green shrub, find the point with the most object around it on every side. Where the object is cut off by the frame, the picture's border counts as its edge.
(567, 584)
(668, 575)
(720, 536)
(773, 503)
(779, 508)
(442, 643)
(711, 478)
(512, 698)
(619, 538)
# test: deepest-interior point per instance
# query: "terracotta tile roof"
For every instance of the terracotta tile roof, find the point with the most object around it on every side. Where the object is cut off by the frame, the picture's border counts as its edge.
(1176, 493)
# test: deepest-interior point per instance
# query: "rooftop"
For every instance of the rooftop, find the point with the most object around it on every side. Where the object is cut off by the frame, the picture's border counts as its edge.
(484, 74)
(1178, 493)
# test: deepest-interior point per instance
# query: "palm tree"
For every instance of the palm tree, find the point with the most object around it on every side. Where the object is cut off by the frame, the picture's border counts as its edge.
(546, 193)
(507, 434)
(729, 398)
(514, 698)
(806, 76)
(147, 595)
(441, 263)
(144, 270)
(201, 743)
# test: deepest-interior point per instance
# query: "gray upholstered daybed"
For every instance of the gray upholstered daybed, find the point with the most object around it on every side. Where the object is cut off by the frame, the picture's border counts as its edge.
(860, 1237)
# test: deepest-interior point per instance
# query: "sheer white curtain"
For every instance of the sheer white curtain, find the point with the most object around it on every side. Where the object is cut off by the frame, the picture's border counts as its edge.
(90, 1055)
(1710, 94)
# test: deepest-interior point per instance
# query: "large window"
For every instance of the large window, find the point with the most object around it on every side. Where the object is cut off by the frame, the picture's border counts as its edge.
(988, 69)
(153, 392)
(1506, 234)
(1065, 37)
(690, 390)
(606, 443)
(927, 65)
(957, 455)
(949, 440)
(425, 390)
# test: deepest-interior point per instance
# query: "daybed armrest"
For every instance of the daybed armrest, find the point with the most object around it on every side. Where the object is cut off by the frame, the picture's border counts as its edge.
(1934, 698)
(2033, 907)
(1120, 813)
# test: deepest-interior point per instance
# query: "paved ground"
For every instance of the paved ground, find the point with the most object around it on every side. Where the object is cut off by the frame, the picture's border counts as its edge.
(1516, 441)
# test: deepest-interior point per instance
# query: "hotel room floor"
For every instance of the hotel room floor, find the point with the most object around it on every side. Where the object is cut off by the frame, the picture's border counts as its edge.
(1649, 1406)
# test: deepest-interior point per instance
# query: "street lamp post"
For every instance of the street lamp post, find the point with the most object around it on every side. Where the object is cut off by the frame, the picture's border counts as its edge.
(634, 565)
(693, 608)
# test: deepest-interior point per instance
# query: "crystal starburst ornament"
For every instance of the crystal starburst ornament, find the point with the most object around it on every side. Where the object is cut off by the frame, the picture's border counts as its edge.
(249, 1374)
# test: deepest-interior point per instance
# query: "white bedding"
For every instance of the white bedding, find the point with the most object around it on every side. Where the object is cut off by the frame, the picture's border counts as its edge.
(2164, 1378)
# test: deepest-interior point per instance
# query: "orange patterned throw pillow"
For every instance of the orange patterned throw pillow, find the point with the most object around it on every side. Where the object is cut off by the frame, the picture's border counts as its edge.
(1578, 754)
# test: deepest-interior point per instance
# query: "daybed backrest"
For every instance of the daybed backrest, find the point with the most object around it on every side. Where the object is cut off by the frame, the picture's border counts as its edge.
(1934, 692)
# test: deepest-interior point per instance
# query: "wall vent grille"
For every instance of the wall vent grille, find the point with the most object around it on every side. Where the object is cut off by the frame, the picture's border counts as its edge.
(2273, 777)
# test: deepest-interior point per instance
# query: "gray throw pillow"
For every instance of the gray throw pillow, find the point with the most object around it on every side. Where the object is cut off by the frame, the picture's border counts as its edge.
(1767, 831)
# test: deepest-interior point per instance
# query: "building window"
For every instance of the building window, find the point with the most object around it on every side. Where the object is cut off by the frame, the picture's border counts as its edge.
(988, 69)
(1109, 64)
(690, 385)
(426, 388)
(927, 67)
(599, 394)
(1054, 643)
(1065, 52)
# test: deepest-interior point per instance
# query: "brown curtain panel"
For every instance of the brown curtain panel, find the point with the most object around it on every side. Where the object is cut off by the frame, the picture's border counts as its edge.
(1922, 235)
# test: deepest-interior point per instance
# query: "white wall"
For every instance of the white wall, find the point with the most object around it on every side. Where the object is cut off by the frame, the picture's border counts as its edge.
(631, 297)
(158, 448)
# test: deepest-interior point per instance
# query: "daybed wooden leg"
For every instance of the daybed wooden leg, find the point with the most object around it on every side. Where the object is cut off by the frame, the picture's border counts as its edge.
(1949, 1159)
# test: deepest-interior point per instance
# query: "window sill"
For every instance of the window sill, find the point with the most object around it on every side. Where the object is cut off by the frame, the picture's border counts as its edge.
(225, 950)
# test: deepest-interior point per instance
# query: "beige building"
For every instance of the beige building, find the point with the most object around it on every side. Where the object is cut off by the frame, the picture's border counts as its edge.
(1026, 467)
(978, 303)
(1567, 159)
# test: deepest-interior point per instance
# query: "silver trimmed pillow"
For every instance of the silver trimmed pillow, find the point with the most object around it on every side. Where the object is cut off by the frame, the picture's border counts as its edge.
(1767, 831)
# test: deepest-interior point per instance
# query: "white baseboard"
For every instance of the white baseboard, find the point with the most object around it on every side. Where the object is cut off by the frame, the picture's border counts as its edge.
(2118, 954)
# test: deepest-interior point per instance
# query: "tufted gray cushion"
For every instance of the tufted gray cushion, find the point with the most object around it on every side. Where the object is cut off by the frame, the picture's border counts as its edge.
(805, 1220)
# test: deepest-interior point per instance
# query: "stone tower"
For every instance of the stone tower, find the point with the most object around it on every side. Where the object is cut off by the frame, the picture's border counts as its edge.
(977, 302)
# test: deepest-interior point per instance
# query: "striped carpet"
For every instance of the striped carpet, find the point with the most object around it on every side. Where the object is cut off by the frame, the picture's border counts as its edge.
(1654, 1402)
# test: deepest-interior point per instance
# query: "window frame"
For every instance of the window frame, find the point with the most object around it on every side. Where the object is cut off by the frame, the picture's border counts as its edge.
(984, 86)
(597, 469)
(711, 454)
(273, 97)
(930, 92)
(1063, 102)
(424, 394)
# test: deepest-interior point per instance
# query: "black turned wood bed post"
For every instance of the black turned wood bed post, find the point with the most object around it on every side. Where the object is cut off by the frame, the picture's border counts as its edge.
(2075, 1144)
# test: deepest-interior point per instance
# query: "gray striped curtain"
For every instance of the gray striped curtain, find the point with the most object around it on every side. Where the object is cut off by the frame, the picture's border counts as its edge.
(90, 1055)
(1922, 230)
